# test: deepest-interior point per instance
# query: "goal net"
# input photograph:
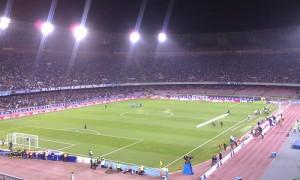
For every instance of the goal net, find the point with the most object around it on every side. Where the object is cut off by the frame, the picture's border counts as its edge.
(22, 140)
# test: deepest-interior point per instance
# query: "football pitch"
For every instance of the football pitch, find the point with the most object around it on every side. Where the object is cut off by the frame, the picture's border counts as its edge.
(160, 130)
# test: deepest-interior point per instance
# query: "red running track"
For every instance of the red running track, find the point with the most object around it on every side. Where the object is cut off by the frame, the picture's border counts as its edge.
(51, 170)
(251, 162)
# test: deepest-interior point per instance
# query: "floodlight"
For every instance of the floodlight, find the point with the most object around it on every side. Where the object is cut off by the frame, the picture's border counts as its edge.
(80, 32)
(162, 37)
(4, 22)
(134, 37)
(47, 28)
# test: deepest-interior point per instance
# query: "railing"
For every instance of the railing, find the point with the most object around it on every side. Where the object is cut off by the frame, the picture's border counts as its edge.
(4, 176)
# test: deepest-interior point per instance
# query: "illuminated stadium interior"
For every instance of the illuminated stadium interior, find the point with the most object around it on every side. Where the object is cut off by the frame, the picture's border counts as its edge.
(140, 89)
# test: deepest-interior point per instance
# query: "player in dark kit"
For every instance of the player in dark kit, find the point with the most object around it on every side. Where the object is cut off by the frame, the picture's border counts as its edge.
(85, 126)
(213, 124)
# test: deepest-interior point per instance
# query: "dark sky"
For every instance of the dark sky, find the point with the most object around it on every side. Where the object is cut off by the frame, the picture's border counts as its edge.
(188, 16)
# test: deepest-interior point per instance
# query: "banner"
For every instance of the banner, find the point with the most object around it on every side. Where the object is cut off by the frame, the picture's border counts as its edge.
(5, 93)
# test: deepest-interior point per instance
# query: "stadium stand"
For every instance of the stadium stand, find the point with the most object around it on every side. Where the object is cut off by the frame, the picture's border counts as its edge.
(254, 56)
(22, 71)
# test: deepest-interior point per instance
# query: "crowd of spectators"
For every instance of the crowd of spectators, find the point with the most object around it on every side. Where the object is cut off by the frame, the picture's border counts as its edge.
(87, 95)
(64, 97)
(25, 71)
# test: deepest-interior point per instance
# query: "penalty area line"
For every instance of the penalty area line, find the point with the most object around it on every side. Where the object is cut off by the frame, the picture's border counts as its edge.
(124, 147)
(72, 145)
(69, 145)
(73, 130)
(212, 120)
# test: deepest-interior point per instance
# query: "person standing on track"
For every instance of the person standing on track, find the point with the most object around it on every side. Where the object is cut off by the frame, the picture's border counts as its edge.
(72, 176)
(225, 146)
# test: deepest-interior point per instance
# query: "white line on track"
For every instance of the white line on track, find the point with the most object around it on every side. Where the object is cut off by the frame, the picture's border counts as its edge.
(206, 142)
(212, 120)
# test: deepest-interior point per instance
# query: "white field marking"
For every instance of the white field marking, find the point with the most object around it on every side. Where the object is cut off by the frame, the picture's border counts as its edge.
(106, 135)
(59, 142)
(251, 118)
(66, 147)
(40, 147)
(123, 114)
(206, 142)
(94, 132)
(124, 147)
(212, 120)
(71, 145)
(166, 113)
(169, 113)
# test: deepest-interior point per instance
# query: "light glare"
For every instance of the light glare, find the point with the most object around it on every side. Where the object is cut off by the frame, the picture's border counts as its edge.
(162, 37)
(80, 32)
(47, 28)
(4, 23)
(134, 37)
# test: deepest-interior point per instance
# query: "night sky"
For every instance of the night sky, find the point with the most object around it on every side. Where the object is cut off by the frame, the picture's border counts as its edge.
(187, 16)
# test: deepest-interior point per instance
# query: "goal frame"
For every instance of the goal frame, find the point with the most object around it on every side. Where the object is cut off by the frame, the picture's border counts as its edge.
(23, 140)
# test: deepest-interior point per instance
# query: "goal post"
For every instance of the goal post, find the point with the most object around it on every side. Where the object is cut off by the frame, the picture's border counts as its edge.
(23, 140)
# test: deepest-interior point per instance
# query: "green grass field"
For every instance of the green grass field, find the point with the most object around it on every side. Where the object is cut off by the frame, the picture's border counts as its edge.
(160, 130)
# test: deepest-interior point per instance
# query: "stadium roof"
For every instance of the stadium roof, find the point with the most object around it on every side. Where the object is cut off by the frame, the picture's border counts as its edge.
(186, 16)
